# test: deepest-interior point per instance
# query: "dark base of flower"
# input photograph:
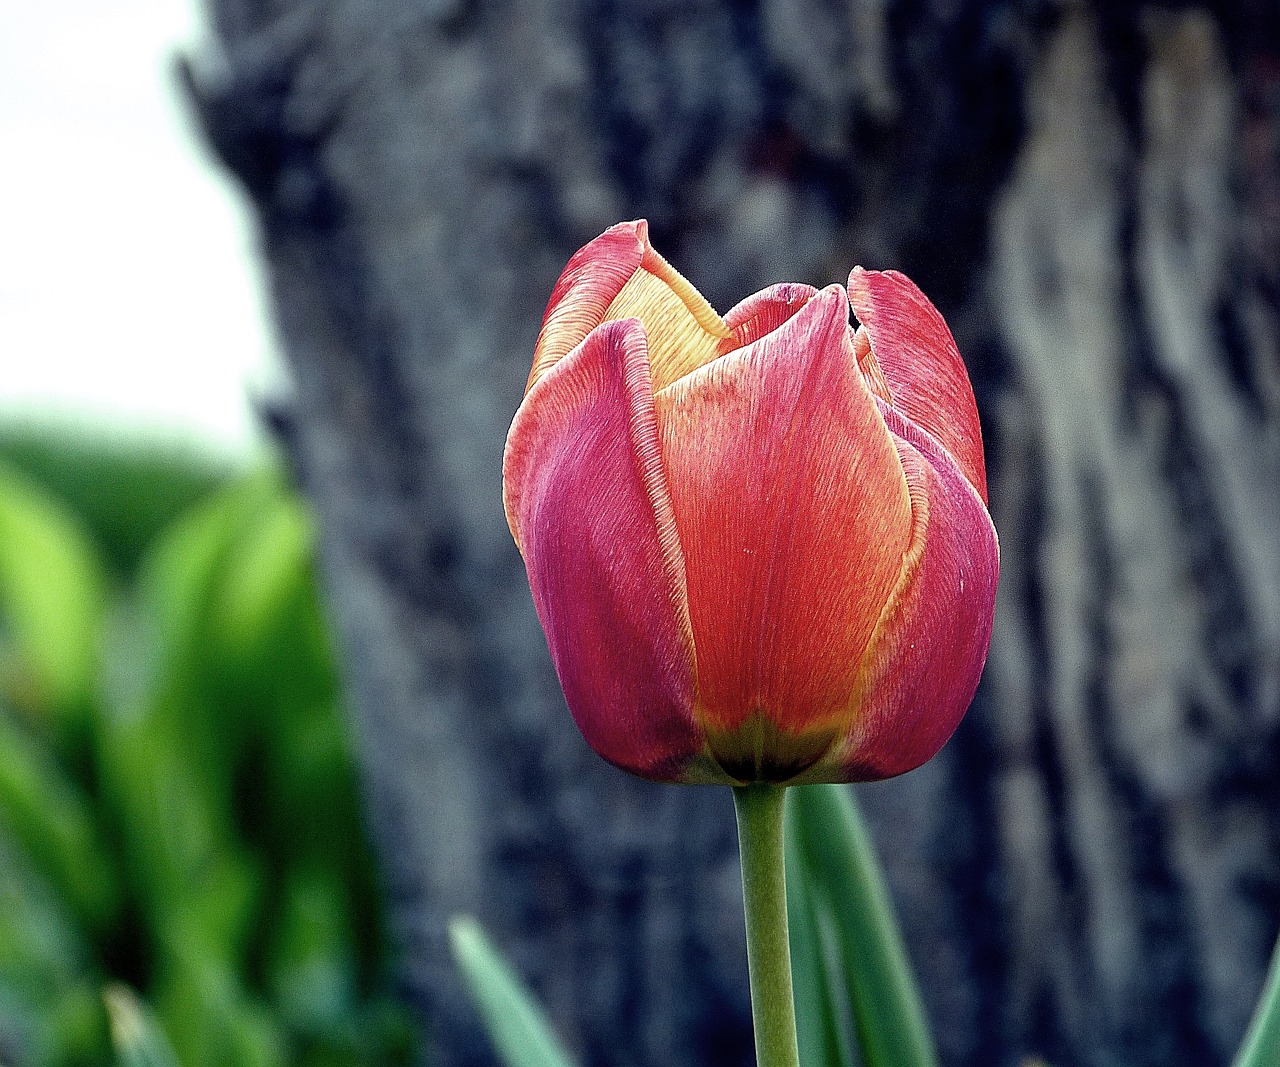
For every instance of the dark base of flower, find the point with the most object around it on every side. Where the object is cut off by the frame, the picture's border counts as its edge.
(760, 751)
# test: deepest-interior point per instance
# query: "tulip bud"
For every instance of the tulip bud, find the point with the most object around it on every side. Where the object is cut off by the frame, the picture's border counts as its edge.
(758, 544)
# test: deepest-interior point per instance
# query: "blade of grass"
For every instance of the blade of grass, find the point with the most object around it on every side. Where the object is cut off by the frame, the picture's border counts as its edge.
(517, 1026)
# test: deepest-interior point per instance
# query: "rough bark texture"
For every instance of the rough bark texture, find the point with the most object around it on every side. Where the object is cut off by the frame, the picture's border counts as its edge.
(1090, 192)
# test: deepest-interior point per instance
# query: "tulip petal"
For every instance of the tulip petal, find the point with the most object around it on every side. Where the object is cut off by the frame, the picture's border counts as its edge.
(587, 501)
(683, 330)
(921, 364)
(921, 668)
(620, 275)
(765, 312)
(596, 274)
(794, 514)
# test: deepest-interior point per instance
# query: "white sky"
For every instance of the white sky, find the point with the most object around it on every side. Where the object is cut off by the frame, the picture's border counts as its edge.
(128, 286)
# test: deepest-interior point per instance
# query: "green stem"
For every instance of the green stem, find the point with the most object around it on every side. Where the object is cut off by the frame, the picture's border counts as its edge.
(764, 896)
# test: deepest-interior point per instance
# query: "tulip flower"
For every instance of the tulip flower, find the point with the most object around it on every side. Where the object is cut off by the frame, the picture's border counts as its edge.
(758, 544)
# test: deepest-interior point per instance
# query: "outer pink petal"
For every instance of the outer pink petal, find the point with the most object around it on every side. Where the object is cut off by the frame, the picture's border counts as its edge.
(923, 665)
(586, 287)
(794, 515)
(920, 361)
(587, 500)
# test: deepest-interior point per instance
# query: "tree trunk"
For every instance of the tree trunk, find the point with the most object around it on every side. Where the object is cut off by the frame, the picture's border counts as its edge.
(1091, 194)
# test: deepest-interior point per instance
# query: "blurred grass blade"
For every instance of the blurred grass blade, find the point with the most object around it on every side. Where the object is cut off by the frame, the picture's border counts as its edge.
(137, 1038)
(891, 1024)
(1261, 1047)
(519, 1030)
(50, 1002)
(821, 1028)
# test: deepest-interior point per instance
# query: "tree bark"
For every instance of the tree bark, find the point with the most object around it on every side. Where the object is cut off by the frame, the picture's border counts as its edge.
(1091, 194)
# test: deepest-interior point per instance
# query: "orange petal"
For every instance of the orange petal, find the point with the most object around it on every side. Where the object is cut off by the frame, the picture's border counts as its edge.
(587, 500)
(794, 515)
(922, 666)
(921, 364)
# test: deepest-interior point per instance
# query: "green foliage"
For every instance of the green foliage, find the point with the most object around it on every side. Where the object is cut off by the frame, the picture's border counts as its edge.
(1261, 1045)
(53, 592)
(513, 1019)
(823, 1024)
(178, 808)
(852, 950)
(125, 490)
(135, 1035)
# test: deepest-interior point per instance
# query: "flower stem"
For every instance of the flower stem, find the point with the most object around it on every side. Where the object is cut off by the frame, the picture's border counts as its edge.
(764, 896)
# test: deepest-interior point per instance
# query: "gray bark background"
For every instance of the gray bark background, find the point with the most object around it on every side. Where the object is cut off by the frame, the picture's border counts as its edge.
(1091, 194)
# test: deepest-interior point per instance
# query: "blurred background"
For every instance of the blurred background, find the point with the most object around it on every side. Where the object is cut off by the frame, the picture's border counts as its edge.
(201, 752)
(180, 835)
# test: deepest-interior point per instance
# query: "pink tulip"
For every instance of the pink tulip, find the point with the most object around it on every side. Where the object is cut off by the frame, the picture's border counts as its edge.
(759, 544)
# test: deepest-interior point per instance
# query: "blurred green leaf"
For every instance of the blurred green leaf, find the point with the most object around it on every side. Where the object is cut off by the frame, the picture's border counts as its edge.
(48, 815)
(202, 840)
(52, 599)
(124, 487)
(212, 1019)
(40, 941)
(170, 750)
(823, 1029)
(311, 956)
(269, 569)
(48, 1001)
(519, 1030)
(838, 852)
(194, 877)
(181, 573)
(1261, 1045)
(135, 1034)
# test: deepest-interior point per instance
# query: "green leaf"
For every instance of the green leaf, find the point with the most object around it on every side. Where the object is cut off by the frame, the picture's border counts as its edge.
(52, 600)
(517, 1026)
(195, 877)
(311, 960)
(135, 1034)
(823, 1027)
(1261, 1047)
(123, 485)
(888, 1013)
(51, 819)
(210, 1015)
(41, 944)
(49, 1004)
(268, 569)
(180, 576)
(171, 750)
